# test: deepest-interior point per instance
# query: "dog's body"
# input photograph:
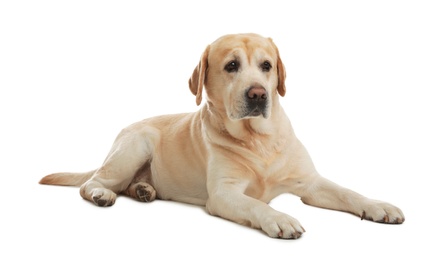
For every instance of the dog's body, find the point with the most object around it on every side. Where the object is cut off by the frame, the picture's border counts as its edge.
(234, 155)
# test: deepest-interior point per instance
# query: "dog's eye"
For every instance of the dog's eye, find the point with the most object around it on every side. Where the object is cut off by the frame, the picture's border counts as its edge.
(232, 66)
(266, 66)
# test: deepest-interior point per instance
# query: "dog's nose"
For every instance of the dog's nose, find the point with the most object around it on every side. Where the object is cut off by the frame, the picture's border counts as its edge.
(256, 94)
(256, 101)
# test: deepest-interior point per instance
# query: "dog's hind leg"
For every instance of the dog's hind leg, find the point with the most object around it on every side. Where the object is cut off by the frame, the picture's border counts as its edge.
(132, 149)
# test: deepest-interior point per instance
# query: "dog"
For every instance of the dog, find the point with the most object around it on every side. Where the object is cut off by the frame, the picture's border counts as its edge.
(233, 156)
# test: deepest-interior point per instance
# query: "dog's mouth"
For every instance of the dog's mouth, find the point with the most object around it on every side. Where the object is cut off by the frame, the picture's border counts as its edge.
(256, 111)
(254, 104)
(250, 112)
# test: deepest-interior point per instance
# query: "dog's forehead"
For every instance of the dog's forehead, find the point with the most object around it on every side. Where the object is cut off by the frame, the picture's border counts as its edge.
(250, 44)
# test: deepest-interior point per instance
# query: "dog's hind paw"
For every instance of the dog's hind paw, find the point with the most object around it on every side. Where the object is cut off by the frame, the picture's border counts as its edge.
(141, 191)
(103, 197)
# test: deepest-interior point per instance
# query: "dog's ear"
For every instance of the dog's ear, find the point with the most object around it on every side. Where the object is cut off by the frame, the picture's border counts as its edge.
(196, 82)
(281, 72)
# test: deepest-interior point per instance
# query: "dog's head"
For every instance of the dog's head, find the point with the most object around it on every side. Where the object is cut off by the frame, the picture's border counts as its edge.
(242, 75)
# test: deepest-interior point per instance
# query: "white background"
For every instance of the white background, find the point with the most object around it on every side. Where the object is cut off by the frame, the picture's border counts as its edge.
(74, 73)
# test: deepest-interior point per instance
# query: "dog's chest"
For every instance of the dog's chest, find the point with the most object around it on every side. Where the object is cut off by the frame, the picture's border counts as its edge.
(264, 152)
(269, 166)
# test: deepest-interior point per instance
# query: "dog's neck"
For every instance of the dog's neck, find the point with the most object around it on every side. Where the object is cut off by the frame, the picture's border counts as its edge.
(259, 139)
(246, 130)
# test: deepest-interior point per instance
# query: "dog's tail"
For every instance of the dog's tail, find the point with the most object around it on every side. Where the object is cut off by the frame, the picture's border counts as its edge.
(67, 178)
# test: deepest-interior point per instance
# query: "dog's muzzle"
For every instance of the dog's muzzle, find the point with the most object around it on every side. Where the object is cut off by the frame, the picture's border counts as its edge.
(256, 100)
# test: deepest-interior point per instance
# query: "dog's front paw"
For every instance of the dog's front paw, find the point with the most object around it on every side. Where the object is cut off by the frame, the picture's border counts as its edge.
(280, 225)
(382, 212)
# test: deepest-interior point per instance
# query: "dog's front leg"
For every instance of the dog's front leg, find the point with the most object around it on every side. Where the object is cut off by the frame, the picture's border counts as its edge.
(323, 193)
(227, 200)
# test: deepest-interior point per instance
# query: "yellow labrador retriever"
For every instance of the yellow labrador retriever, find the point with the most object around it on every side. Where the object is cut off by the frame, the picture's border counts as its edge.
(234, 155)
